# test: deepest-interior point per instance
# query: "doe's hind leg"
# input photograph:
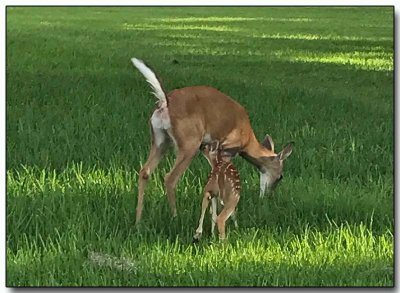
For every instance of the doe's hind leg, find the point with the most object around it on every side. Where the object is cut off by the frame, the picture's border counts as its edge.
(159, 145)
(183, 159)
(156, 153)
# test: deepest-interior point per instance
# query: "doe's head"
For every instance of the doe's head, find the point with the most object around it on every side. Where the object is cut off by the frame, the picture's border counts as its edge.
(271, 170)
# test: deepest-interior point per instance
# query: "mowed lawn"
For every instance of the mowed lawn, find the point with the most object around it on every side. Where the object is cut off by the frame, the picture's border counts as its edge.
(77, 135)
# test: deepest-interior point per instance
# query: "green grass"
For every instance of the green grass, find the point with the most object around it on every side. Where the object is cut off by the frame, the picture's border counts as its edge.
(77, 134)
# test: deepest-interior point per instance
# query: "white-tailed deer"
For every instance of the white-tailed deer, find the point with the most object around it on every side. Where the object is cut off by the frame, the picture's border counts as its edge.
(223, 184)
(190, 116)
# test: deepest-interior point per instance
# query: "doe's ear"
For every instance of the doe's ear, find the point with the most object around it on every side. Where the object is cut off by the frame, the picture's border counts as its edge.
(287, 150)
(268, 143)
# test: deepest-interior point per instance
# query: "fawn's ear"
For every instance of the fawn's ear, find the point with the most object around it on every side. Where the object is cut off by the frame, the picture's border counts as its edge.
(205, 148)
(268, 143)
(287, 150)
(214, 145)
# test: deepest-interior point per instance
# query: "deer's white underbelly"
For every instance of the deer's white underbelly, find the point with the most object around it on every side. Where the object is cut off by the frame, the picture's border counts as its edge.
(206, 138)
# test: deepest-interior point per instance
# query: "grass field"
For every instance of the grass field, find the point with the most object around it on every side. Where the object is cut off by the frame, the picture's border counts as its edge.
(77, 135)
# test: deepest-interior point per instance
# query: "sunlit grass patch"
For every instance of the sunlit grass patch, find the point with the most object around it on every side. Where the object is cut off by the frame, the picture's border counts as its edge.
(199, 50)
(377, 61)
(204, 19)
(256, 257)
(184, 27)
(230, 19)
(30, 180)
(315, 37)
(285, 19)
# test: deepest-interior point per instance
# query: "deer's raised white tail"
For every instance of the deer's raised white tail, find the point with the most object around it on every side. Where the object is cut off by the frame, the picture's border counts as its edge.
(151, 78)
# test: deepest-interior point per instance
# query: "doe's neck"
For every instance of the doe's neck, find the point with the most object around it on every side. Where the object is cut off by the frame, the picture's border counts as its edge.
(255, 153)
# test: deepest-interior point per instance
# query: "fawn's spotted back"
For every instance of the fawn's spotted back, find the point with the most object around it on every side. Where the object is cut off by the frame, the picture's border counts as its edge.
(223, 173)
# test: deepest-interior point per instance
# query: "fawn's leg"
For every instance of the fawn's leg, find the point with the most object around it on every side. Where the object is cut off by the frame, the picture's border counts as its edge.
(234, 218)
(213, 214)
(227, 211)
(156, 153)
(204, 206)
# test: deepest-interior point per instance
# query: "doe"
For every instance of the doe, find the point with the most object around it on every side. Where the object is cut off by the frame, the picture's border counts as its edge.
(191, 116)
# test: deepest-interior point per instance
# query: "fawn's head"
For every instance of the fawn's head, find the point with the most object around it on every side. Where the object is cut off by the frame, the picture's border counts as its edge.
(212, 152)
(271, 171)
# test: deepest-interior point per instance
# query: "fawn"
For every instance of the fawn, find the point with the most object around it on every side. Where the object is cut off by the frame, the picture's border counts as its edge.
(224, 183)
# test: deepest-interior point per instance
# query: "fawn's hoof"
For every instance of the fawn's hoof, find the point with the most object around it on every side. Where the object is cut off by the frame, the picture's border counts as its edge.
(222, 239)
(196, 238)
(138, 224)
